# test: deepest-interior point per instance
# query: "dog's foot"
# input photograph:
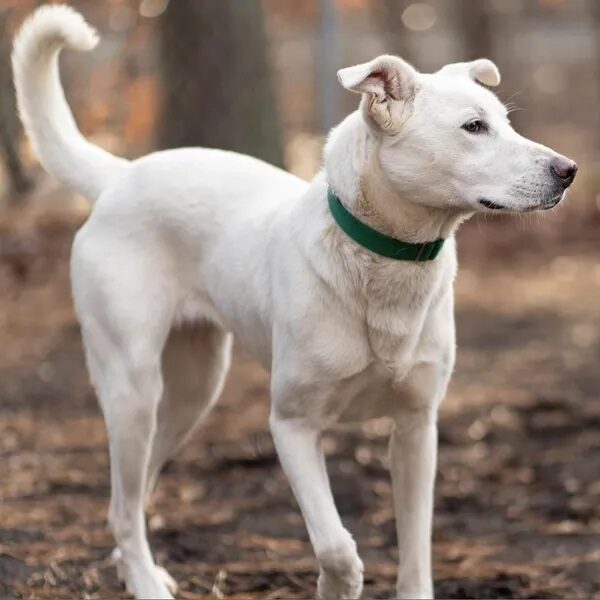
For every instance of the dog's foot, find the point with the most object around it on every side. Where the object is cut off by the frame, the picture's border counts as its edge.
(333, 588)
(404, 593)
(167, 579)
(341, 576)
(158, 583)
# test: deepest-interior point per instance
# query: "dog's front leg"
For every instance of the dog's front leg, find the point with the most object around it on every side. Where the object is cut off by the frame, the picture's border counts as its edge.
(298, 447)
(413, 457)
(413, 448)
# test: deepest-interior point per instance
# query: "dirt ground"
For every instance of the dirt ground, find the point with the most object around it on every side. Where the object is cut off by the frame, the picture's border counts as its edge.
(518, 492)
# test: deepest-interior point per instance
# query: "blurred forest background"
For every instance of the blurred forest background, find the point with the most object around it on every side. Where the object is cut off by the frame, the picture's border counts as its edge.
(519, 480)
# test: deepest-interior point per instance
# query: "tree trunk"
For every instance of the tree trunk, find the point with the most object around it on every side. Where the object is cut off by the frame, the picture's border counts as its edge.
(216, 78)
(9, 121)
(475, 28)
(395, 34)
(595, 12)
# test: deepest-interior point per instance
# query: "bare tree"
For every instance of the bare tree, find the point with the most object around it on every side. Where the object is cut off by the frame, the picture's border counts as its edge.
(475, 27)
(396, 35)
(9, 122)
(595, 10)
(477, 24)
(328, 63)
(216, 78)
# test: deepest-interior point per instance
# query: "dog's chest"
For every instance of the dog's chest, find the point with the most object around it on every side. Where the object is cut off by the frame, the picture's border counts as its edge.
(376, 390)
(397, 310)
(399, 320)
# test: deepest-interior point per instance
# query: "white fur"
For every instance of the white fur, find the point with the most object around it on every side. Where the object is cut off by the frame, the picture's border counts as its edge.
(186, 246)
(64, 152)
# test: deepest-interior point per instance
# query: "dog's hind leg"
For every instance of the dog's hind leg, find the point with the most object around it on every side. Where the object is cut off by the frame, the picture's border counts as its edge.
(126, 314)
(129, 385)
(195, 361)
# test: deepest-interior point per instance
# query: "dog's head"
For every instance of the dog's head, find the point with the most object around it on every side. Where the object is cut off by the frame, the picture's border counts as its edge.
(445, 140)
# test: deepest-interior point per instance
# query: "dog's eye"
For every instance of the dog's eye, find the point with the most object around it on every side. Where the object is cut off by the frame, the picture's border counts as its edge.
(476, 126)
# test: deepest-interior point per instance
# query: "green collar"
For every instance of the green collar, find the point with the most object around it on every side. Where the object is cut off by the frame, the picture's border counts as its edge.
(378, 242)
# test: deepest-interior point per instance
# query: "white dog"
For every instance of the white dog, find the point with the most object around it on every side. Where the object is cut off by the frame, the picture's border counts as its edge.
(342, 288)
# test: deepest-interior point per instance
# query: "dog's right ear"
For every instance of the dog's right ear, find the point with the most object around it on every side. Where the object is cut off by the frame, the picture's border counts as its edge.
(389, 83)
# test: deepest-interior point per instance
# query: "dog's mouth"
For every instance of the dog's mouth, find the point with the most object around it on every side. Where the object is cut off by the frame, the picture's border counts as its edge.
(491, 205)
(551, 202)
(546, 204)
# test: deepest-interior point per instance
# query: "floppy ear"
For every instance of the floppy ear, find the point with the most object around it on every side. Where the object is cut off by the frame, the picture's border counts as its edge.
(389, 83)
(482, 70)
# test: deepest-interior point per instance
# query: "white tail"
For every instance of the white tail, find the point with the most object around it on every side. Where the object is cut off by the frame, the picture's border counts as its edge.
(48, 121)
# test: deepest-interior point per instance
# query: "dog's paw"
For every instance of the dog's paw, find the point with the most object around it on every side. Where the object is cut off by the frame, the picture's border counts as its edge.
(161, 582)
(332, 588)
(341, 576)
(405, 593)
(167, 579)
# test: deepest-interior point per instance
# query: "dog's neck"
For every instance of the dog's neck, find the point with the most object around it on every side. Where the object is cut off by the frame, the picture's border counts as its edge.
(354, 172)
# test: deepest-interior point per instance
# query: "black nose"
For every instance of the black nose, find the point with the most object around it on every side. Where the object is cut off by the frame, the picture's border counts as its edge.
(564, 169)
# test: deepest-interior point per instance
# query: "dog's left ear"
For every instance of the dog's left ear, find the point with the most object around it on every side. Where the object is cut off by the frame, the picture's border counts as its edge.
(389, 85)
(482, 70)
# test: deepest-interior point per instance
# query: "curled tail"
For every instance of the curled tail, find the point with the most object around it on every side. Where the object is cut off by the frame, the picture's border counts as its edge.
(46, 116)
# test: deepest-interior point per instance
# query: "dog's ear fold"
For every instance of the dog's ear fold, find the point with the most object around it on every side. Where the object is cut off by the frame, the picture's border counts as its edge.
(482, 70)
(388, 82)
